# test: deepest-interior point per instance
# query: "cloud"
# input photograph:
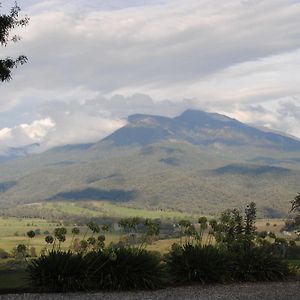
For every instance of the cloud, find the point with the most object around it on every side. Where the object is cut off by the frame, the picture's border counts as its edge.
(26, 134)
(282, 116)
(84, 121)
(98, 60)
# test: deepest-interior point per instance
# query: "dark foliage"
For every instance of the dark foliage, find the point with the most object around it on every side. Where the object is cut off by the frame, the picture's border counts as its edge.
(296, 203)
(258, 265)
(5, 186)
(7, 23)
(59, 272)
(126, 268)
(196, 263)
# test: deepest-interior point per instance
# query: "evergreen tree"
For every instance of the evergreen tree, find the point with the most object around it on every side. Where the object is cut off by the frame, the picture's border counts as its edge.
(9, 22)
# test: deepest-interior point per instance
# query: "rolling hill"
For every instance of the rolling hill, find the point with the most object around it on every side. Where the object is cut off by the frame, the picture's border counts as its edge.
(197, 162)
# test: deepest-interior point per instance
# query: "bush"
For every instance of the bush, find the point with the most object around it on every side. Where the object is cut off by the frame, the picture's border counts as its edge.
(293, 251)
(59, 272)
(258, 265)
(196, 263)
(3, 253)
(126, 268)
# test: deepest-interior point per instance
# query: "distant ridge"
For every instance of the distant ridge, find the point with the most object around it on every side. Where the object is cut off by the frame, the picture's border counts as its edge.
(197, 162)
(198, 128)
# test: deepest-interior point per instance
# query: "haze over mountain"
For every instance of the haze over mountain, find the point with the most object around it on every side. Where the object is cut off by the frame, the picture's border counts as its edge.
(196, 162)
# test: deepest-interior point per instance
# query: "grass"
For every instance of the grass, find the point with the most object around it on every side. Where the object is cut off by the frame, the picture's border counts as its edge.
(10, 226)
(294, 262)
(102, 208)
(12, 275)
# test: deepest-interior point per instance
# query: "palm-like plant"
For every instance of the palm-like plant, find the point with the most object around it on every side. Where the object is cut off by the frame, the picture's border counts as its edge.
(59, 272)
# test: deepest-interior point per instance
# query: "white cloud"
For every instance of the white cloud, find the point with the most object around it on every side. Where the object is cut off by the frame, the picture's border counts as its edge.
(228, 56)
(25, 134)
(5, 134)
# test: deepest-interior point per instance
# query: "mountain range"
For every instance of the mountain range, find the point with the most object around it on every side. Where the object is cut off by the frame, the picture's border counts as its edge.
(197, 162)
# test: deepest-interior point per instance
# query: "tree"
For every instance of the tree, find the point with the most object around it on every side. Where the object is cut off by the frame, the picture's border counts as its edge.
(296, 203)
(295, 224)
(8, 22)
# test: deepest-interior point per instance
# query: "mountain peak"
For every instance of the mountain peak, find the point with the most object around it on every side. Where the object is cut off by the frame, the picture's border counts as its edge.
(143, 118)
(199, 128)
(194, 115)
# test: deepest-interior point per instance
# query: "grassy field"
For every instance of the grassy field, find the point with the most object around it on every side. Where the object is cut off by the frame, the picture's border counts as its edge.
(103, 209)
(13, 232)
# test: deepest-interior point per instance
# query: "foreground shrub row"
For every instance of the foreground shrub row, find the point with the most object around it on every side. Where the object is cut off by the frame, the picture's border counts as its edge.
(232, 250)
(112, 269)
(127, 268)
(209, 264)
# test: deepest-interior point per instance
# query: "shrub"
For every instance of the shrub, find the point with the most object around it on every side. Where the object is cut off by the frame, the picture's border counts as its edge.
(293, 251)
(258, 265)
(3, 253)
(196, 263)
(59, 272)
(126, 268)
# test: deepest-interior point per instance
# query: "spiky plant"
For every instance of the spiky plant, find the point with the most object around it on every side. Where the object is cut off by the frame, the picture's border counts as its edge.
(59, 271)
(195, 263)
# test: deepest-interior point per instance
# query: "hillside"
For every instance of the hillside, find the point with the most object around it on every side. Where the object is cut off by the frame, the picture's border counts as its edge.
(197, 162)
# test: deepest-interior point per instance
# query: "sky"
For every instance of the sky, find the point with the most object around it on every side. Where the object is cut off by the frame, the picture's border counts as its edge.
(93, 63)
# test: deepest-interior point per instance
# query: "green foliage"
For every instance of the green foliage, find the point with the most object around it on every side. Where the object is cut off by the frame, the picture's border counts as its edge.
(152, 230)
(21, 251)
(75, 231)
(3, 254)
(258, 265)
(7, 24)
(195, 263)
(129, 224)
(105, 227)
(60, 235)
(262, 234)
(125, 268)
(272, 235)
(94, 227)
(31, 234)
(49, 239)
(59, 272)
(296, 203)
(235, 232)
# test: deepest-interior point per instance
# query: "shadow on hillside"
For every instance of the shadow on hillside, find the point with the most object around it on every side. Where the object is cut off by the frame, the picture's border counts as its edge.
(96, 194)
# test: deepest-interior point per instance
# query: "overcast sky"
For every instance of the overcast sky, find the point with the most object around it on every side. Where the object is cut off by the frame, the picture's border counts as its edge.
(92, 63)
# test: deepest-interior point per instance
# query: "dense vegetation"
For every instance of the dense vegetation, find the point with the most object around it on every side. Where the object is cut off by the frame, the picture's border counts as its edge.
(226, 249)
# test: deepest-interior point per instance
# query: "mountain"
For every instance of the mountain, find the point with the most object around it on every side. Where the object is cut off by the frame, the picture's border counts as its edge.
(10, 153)
(196, 162)
(198, 128)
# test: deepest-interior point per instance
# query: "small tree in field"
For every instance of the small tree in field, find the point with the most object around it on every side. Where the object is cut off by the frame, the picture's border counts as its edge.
(296, 203)
(295, 224)
(8, 22)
